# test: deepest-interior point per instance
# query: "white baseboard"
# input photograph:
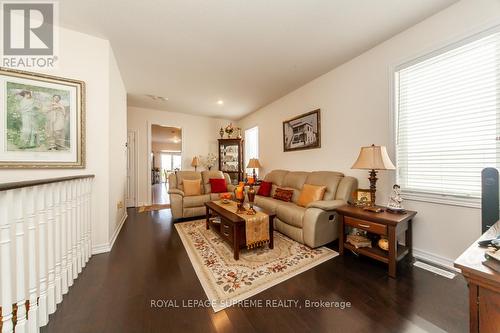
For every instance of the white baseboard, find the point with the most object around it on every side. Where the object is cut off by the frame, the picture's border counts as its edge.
(434, 259)
(103, 248)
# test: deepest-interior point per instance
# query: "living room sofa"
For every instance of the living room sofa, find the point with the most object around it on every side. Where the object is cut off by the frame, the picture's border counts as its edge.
(315, 224)
(190, 206)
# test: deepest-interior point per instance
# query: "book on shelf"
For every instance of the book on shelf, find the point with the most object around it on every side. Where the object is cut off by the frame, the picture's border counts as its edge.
(492, 259)
(215, 219)
(359, 241)
(493, 264)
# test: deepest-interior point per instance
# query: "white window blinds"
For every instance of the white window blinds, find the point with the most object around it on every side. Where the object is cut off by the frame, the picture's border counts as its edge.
(448, 119)
(251, 146)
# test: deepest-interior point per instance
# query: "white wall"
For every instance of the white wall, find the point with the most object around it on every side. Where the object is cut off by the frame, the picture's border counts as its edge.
(199, 137)
(86, 58)
(117, 148)
(355, 109)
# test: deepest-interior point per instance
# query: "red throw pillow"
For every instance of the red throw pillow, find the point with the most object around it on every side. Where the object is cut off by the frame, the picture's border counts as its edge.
(265, 189)
(283, 195)
(218, 185)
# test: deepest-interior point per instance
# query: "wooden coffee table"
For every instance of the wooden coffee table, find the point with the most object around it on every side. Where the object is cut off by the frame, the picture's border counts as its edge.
(232, 226)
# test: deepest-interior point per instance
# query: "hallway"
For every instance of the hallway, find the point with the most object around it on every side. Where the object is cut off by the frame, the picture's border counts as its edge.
(148, 262)
(160, 194)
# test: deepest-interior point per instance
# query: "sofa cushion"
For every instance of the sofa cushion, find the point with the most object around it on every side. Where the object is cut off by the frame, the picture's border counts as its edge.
(330, 179)
(196, 200)
(265, 189)
(267, 203)
(210, 174)
(310, 193)
(189, 175)
(295, 179)
(283, 194)
(218, 185)
(276, 177)
(192, 187)
(290, 213)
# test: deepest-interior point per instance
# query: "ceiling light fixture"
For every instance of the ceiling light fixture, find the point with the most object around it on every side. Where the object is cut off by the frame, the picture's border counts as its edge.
(220, 102)
(158, 98)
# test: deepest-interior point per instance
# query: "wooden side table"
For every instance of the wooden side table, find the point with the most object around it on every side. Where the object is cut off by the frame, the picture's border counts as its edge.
(383, 224)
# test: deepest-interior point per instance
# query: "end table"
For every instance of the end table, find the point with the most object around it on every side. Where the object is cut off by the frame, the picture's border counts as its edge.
(383, 224)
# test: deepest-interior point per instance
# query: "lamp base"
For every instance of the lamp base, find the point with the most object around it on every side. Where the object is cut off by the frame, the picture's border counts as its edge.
(373, 185)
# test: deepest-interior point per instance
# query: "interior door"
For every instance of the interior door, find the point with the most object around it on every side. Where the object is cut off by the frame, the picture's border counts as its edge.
(131, 169)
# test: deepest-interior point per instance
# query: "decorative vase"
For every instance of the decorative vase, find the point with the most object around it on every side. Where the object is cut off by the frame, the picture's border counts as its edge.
(221, 133)
(251, 198)
(239, 195)
(383, 243)
(229, 130)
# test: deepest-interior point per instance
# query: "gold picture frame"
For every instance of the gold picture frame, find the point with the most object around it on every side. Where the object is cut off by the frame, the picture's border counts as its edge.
(362, 197)
(42, 121)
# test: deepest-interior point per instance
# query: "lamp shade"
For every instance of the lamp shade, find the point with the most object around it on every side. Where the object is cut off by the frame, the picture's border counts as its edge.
(195, 162)
(254, 163)
(373, 158)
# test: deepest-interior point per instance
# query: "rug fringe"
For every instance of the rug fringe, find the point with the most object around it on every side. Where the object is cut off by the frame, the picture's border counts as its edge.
(257, 244)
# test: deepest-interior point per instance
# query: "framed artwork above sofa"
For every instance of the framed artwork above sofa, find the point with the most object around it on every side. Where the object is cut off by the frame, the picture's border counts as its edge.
(302, 132)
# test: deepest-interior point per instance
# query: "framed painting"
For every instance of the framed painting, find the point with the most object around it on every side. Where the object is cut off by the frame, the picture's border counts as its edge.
(362, 197)
(302, 132)
(42, 121)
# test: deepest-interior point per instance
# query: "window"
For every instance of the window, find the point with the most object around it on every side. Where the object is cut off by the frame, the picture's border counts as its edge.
(171, 161)
(447, 120)
(251, 146)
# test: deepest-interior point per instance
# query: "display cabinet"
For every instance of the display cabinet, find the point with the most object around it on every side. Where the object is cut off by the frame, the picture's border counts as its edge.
(231, 158)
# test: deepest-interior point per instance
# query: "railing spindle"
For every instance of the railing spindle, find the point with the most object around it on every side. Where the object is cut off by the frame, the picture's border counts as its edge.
(17, 220)
(5, 264)
(32, 274)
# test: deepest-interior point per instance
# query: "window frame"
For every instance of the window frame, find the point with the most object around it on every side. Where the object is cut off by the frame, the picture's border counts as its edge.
(256, 127)
(422, 196)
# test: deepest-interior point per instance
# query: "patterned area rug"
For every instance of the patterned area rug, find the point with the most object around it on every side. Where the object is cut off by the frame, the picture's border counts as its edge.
(227, 281)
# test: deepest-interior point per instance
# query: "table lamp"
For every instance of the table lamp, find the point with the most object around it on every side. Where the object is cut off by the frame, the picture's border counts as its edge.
(195, 162)
(373, 158)
(254, 164)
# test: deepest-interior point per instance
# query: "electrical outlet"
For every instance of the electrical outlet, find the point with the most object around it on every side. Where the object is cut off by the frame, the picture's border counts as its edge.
(119, 205)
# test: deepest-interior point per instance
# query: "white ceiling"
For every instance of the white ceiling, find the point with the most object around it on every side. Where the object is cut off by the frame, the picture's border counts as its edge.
(164, 134)
(247, 53)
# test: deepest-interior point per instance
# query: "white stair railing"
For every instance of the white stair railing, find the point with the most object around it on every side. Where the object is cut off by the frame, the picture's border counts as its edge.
(45, 242)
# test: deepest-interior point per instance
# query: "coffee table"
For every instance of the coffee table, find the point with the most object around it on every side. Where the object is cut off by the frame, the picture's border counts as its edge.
(232, 227)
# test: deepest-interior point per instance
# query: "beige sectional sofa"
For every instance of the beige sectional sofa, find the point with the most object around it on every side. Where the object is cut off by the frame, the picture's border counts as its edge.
(190, 206)
(315, 224)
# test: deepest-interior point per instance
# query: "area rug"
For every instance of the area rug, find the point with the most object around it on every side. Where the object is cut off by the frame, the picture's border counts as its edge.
(227, 281)
(152, 208)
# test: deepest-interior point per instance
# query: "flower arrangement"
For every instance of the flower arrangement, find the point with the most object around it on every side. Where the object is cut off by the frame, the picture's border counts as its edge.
(229, 130)
(209, 161)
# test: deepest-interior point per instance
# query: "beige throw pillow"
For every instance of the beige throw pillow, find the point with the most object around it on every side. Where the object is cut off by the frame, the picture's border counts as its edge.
(191, 187)
(310, 193)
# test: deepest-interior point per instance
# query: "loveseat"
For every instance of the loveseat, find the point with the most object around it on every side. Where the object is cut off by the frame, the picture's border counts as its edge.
(316, 223)
(190, 206)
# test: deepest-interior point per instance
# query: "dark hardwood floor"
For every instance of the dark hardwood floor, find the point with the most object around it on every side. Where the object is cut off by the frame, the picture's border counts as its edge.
(148, 262)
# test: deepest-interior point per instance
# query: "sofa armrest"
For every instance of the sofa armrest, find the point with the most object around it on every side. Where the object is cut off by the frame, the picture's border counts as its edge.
(230, 187)
(326, 204)
(175, 191)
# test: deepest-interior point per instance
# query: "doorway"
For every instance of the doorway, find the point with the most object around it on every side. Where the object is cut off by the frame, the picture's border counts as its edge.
(166, 158)
(131, 199)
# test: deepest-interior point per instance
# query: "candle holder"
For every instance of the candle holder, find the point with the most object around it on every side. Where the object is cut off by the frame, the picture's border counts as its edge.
(239, 195)
(251, 198)
(240, 207)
